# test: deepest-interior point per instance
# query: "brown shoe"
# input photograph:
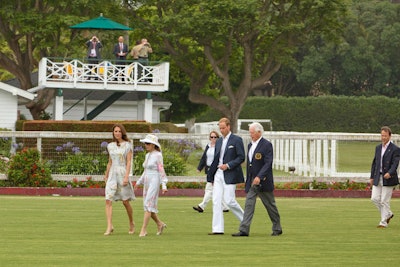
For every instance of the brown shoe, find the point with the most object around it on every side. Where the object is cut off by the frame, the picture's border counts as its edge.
(381, 226)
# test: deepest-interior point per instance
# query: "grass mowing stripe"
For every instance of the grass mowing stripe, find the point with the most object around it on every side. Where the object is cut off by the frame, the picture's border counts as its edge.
(68, 231)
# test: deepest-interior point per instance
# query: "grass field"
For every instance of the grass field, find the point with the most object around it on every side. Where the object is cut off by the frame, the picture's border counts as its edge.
(68, 231)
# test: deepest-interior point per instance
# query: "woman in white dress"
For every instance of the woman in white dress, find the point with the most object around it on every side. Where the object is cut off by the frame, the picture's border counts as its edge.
(153, 175)
(118, 183)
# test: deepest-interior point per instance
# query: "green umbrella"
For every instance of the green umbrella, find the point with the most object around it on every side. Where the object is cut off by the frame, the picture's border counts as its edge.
(101, 23)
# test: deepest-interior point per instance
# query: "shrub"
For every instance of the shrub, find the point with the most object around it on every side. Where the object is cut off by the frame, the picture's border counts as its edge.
(71, 160)
(27, 169)
(174, 164)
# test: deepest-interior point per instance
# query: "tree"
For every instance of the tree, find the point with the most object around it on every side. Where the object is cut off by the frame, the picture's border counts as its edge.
(30, 30)
(364, 61)
(229, 48)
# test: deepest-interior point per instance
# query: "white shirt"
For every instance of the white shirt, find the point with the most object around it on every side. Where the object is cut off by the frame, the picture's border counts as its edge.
(224, 142)
(252, 148)
(210, 155)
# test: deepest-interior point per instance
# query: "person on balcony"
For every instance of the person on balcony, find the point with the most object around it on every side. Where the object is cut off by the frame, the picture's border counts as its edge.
(120, 51)
(141, 52)
(93, 53)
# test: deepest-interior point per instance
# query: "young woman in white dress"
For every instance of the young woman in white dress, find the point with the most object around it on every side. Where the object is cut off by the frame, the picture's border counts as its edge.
(118, 183)
(153, 175)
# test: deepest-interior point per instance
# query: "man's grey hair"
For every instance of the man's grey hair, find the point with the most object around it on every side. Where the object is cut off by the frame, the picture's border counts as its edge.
(257, 127)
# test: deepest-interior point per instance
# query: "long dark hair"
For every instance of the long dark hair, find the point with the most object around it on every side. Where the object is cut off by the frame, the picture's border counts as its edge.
(123, 131)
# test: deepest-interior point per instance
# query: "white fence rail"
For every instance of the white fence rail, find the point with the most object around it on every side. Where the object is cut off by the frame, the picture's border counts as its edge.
(134, 76)
(310, 154)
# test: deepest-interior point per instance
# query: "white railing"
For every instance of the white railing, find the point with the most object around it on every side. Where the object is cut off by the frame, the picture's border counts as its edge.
(310, 154)
(59, 73)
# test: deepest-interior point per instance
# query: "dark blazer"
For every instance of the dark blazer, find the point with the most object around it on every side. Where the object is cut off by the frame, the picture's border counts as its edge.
(390, 161)
(98, 45)
(117, 50)
(234, 156)
(261, 166)
(203, 161)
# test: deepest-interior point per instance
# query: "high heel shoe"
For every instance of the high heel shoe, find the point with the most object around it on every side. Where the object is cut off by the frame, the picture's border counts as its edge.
(109, 232)
(142, 235)
(160, 231)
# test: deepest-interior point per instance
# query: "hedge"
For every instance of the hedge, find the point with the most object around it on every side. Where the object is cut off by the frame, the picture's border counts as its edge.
(321, 114)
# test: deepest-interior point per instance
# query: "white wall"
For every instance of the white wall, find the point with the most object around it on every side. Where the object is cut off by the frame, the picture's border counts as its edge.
(120, 110)
(8, 110)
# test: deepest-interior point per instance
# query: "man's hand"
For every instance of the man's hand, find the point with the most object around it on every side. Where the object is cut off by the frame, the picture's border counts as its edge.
(256, 181)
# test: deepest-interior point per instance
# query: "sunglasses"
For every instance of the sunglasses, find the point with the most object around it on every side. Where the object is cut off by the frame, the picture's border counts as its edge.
(215, 137)
(147, 143)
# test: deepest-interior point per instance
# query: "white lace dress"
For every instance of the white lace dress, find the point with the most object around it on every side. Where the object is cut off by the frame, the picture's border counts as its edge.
(114, 187)
(153, 175)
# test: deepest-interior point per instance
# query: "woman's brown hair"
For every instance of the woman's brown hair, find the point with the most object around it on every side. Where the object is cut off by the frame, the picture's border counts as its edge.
(123, 131)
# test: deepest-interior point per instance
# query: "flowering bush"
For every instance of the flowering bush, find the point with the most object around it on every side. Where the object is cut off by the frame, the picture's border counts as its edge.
(27, 169)
(315, 185)
(71, 160)
(75, 183)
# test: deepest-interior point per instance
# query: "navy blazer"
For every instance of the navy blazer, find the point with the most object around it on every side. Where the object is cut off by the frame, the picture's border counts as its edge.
(117, 50)
(261, 166)
(234, 156)
(390, 162)
(203, 160)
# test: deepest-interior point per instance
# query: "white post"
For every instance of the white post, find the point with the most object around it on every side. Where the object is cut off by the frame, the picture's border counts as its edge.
(286, 165)
(326, 157)
(333, 157)
(312, 158)
(306, 167)
(318, 162)
(58, 106)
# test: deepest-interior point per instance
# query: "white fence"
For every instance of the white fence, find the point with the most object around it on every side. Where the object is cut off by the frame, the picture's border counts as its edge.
(310, 154)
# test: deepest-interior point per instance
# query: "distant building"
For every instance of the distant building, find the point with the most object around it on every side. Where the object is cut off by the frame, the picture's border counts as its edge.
(10, 99)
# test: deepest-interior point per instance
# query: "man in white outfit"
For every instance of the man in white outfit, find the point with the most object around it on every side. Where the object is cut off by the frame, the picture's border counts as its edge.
(225, 172)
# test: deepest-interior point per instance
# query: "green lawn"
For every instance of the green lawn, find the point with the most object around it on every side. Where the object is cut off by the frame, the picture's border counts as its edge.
(355, 156)
(68, 231)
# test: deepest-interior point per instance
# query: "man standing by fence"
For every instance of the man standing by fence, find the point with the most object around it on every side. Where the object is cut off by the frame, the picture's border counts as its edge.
(384, 175)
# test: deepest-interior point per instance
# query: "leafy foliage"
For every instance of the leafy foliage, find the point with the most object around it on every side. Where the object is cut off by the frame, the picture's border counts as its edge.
(233, 47)
(71, 160)
(174, 164)
(27, 169)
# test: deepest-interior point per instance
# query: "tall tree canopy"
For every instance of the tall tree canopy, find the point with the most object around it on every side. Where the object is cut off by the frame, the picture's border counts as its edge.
(364, 60)
(228, 48)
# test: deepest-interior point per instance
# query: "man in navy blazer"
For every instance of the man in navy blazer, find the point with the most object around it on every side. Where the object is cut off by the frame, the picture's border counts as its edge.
(225, 172)
(384, 175)
(259, 181)
(120, 51)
